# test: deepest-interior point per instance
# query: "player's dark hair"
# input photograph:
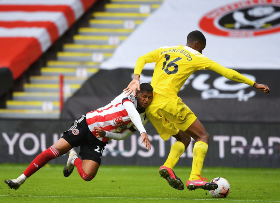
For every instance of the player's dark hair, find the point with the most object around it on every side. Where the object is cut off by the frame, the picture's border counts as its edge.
(146, 87)
(196, 35)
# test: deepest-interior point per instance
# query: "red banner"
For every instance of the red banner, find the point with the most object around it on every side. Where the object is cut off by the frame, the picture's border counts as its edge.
(28, 28)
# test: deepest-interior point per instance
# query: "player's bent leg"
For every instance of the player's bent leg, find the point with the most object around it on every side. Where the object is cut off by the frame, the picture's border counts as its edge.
(177, 149)
(69, 167)
(34, 166)
(197, 131)
(59, 148)
(166, 171)
(86, 168)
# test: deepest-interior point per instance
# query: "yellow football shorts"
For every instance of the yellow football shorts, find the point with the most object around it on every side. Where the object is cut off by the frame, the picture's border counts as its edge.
(169, 115)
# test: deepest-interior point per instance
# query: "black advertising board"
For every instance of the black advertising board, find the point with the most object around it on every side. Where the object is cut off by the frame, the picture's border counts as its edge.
(231, 144)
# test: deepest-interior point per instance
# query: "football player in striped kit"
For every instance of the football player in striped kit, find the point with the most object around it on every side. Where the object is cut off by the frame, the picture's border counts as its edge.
(117, 120)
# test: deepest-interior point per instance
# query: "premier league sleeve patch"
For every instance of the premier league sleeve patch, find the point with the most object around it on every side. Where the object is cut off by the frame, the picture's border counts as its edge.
(130, 97)
(75, 131)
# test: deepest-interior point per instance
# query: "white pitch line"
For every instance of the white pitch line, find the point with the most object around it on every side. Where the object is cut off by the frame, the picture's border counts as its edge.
(140, 198)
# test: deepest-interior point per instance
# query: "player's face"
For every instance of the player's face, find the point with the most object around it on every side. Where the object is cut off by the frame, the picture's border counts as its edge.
(144, 99)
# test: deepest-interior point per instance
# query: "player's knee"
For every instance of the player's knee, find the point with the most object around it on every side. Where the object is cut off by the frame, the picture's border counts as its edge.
(206, 137)
(86, 177)
(203, 136)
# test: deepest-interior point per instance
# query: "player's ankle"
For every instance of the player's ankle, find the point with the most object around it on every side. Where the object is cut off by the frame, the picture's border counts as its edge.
(21, 179)
(168, 166)
(194, 177)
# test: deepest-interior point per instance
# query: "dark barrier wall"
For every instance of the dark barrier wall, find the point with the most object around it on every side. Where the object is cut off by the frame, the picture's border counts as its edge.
(231, 144)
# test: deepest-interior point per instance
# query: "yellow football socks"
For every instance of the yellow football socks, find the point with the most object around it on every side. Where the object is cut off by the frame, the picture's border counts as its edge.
(176, 151)
(199, 152)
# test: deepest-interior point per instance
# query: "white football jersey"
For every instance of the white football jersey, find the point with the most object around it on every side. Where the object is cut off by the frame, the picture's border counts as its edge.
(113, 117)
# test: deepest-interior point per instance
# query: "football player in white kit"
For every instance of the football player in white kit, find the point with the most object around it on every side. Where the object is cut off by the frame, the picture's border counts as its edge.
(117, 120)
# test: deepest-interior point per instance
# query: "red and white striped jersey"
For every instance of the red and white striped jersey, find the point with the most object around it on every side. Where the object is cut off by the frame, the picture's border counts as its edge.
(113, 117)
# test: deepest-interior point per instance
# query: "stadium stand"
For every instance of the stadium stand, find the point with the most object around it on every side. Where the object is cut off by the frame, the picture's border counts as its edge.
(31, 28)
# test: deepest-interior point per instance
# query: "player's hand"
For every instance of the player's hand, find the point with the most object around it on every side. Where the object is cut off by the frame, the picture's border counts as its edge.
(99, 132)
(262, 87)
(133, 86)
(146, 140)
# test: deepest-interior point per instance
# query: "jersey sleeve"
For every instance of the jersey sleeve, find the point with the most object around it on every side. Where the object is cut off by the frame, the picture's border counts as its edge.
(134, 128)
(129, 98)
(118, 136)
(202, 62)
(134, 116)
(230, 74)
(150, 57)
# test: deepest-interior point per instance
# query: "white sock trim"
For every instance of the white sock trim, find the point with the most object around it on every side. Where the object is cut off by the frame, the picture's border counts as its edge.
(54, 151)
(72, 161)
(22, 176)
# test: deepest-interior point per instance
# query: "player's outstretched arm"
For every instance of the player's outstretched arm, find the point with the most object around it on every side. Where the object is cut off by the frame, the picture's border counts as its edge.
(235, 76)
(121, 136)
(116, 136)
(133, 86)
(262, 87)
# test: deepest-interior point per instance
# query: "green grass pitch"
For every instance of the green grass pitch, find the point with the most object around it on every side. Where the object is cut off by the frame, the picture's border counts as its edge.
(135, 184)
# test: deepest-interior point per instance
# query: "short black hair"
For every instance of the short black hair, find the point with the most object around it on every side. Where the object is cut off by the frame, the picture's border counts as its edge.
(196, 35)
(146, 87)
